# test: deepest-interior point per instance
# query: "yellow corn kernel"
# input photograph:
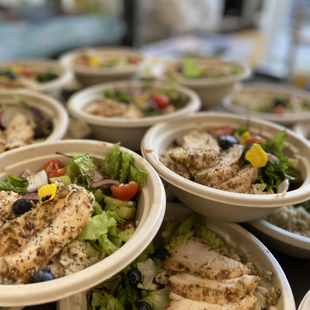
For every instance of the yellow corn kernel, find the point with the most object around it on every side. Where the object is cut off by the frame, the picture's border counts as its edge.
(47, 192)
(256, 156)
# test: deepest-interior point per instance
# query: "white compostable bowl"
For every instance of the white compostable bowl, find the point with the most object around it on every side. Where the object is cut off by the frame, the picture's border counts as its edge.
(274, 90)
(233, 235)
(127, 131)
(89, 76)
(49, 106)
(302, 130)
(211, 90)
(52, 88)
(280, 239)
(150, 214)
(304, 305)
(214, 203)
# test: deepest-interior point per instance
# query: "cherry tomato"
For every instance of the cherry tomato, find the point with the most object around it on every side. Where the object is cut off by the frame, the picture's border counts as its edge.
(127, 224)
(125, 192)
(218, 131)
(58, 173)
(52, 165)
(254, 139)
(278, 110)
(28, 72)
(161, 100)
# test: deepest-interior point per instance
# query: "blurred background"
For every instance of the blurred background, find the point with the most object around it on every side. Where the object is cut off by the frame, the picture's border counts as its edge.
(273, 36)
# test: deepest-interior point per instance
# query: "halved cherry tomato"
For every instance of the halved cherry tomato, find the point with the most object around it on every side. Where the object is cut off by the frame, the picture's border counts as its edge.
(52, 165)
(218, 131)
(128, 224)
(278, 109)
(58, 173)
(126, 191)
(254, 139)
(161, 100)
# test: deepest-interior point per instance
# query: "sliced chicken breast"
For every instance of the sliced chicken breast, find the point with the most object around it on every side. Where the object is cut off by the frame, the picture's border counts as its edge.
(75, 212)
(133, 112)
(242, 181)
(212, 291)
(199, 259)
(180, 303)
(107, 107)
(6, 201)
(200, 140)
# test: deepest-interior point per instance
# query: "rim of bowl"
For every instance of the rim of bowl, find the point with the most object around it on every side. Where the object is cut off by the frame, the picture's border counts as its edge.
(288, 118)
(38, 293)
(246, 200)
(281, 234)
(211, 82)
(302, 130)
(67, 60)
(75, 107)
(64, 77)
(60, 119)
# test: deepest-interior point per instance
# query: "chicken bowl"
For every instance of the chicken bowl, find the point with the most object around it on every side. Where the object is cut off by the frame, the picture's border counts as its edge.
(73, 206)
(27, 118)
(98, 65)
(123, 111)
(44, 76)
(213, 80)
(232, 187)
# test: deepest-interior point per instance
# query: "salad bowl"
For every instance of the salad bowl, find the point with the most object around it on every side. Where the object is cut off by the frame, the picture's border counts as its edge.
(98, 68)
(285, 105)
(211, 89)
(217, 203)
(44, 76)
(149, 215)
(129, 131)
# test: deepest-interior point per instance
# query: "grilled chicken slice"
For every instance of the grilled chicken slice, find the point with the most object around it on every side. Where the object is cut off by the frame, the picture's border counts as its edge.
(6, 201)
(19, 132)
(133, 112)
(242, 181)
(200, 140)
(224, 170)
(2, 141)
(75, 211)
(180, 303)
(199, 259)
(212, 291)
(107, 107)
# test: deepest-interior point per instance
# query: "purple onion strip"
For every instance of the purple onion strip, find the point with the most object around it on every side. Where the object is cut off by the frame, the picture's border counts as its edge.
(105, 182)
(58, 153)
(32, 196)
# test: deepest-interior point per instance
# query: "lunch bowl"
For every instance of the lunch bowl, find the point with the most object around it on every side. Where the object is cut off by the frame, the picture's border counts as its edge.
(92, 75)
(127, 131)
(254, 90)
(214, 203)
(302, 129)
(52, 88)
(243, 242)
(49, 107)
(149, 216)
(211, 90)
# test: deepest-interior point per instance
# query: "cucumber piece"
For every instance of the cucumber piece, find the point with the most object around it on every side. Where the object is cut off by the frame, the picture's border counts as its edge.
(122, 211)
(292, 163)
(116, 202)
(126, 234)
(65, 179)
(116, 241)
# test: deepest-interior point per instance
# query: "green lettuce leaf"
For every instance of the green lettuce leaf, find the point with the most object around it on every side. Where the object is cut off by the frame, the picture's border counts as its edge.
(112, 162)
(97, 208)
(127, 160)
(105, 302)
(170, 229)
(6, 186)
(191, 69)
(209, 237)
(106, 245)
(137, 175)
(99, 195)
(148, 269)
(158, 300)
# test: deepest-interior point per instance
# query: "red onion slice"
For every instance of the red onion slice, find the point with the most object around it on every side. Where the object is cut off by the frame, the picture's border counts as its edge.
(36, 181)
(105, 183)
(283, 187)
(272, 157)
(27, 173)
(32, 196)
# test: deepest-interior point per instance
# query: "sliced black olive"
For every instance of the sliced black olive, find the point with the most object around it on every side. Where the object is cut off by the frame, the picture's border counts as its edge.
(227, 141)
(244, 152)
(12, 75)
(134, 276)
(21, 206)
(280, 101)
(42, 276)
(38, 133)
(143, 305)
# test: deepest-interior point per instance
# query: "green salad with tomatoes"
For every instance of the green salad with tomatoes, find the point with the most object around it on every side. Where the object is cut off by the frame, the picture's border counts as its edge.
(137, 102)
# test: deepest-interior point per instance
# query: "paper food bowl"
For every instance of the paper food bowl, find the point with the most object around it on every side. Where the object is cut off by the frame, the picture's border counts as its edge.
(89, 76)
(127, 131)
(214, 203)
(275, 91)
(233, 235)
(150, 213)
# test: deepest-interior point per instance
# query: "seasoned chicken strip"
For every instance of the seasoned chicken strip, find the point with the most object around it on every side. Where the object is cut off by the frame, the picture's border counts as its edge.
(6, 201)
(107, 107)
(180, 303)
(19, 132)
(199, 259)
(133, 112)
(200, 140)
(75, 213)
(212, 291)
(242, 181)
(224, 170)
